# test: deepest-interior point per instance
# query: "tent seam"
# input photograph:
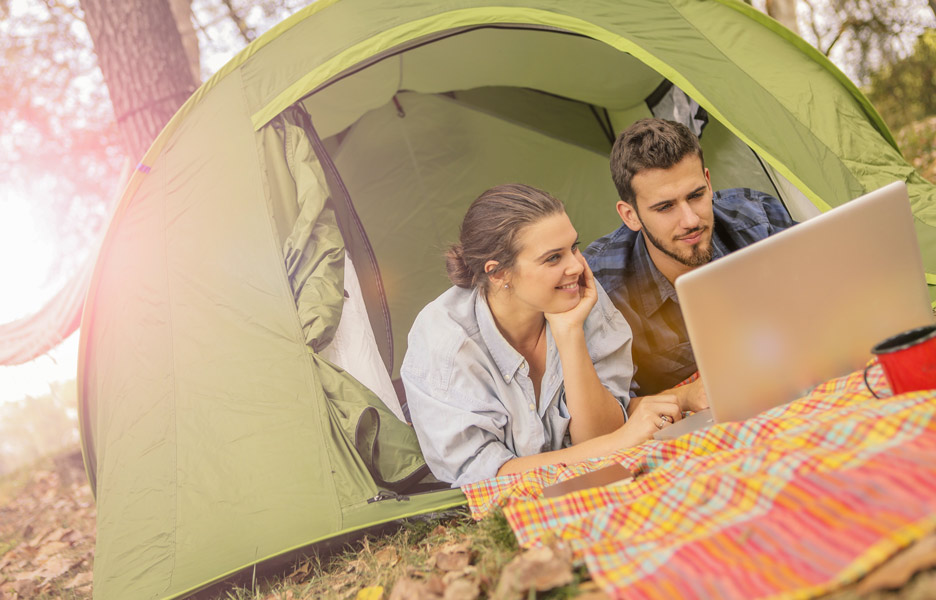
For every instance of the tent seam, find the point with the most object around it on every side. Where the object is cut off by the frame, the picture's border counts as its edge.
(820, 59)
(539, 19)
(175, 391)
(313, 383)
(521, 124)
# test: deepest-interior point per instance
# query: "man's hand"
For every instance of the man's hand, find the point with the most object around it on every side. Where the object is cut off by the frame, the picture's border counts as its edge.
(692, 396)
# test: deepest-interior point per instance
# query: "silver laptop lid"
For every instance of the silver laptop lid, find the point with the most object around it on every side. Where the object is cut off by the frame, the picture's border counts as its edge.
(770, 321)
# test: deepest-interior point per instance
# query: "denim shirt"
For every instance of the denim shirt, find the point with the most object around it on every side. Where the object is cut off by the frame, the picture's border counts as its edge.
(470, 394)
(622, 263)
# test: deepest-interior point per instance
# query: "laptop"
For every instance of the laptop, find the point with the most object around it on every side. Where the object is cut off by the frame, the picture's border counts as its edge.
(772, 320)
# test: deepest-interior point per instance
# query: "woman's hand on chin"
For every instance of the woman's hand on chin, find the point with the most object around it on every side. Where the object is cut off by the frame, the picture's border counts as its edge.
(574, 318)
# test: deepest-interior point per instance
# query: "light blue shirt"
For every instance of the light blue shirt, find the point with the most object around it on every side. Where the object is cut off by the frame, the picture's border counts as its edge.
(470, 394)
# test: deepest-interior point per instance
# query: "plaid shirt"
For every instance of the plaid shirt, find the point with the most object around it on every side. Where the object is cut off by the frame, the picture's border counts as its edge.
(648, 301)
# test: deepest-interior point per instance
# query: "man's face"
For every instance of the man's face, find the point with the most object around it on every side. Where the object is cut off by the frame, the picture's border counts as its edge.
(673, 209)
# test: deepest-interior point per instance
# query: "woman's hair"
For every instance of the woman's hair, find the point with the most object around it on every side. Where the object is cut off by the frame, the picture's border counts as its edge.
(490, 230)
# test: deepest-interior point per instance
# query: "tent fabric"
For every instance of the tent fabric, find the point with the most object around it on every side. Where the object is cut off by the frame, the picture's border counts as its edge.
(354, 348)
(314, 250)
(309, 188)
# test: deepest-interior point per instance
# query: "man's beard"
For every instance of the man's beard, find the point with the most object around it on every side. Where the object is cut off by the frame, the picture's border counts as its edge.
(697, 257)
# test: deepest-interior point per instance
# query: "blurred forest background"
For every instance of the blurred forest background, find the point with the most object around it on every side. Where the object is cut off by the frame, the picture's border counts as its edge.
(81, 102)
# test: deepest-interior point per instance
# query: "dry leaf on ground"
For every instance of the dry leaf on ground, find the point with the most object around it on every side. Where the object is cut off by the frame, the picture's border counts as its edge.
(51, 549)
(79, 580)
(25, 589)
(440, 531)
(453, 556)
(541, 569)
(411, 589)
(462, 589)
(51, 569)
(387, 557)
(300, 572)
(901, 567)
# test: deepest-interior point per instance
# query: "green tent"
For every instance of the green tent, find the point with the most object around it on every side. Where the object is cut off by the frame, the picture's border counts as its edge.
(248, 312)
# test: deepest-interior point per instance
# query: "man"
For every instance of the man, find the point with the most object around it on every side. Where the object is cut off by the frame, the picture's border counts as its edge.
(673, 223)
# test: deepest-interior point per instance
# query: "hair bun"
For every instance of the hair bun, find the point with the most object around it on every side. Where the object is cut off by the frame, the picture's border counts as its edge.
(456, 267)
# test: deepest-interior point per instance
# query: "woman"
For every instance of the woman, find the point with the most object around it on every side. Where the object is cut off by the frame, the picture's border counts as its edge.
(525, 361)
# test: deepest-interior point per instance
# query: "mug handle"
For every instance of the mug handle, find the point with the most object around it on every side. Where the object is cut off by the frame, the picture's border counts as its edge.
(864, 375)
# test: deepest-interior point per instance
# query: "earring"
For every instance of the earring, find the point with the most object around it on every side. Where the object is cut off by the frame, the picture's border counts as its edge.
(506, 285)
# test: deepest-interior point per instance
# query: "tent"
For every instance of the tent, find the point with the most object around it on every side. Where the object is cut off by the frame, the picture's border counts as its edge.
(248, 312)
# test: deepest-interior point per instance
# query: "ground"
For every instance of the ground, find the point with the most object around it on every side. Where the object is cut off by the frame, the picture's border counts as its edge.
(47, 547)
(47, 531)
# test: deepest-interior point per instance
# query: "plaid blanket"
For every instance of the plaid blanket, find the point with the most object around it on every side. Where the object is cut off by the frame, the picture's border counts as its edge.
(797, 502)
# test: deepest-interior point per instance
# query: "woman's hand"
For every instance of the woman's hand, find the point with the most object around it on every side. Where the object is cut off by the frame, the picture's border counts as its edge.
(588, 297)
(651, 414)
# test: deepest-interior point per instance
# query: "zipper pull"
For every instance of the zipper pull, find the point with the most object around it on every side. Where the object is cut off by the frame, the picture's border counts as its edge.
(387, 495)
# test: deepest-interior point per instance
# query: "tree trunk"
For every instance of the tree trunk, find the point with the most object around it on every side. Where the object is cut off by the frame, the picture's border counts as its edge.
(182, 13)
(144, 64)
(785, 12)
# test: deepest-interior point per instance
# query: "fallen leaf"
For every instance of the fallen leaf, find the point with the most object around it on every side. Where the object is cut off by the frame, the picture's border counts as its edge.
(901, 567)
(51, 569)
(374, 592)
(25, 588)
(439, 531)
(51, 549)
(542, 568)
(341, 582)
(462, 589)
(453, 556)
(387, 557)
(79, 580)
(410, 589)
(300, 572)
(354, 565)
(436, 586)
(417, 572)
(61, 534)
(468, 572)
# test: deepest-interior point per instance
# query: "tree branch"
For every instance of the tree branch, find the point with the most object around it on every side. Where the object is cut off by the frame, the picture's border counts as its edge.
(246, 32)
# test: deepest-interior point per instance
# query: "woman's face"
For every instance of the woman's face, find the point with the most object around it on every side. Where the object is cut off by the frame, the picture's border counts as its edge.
(545, 276)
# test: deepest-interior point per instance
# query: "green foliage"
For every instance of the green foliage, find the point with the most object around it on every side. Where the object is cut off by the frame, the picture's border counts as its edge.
(32, 428)
(905, 91)
(861, 36)
(499, 532)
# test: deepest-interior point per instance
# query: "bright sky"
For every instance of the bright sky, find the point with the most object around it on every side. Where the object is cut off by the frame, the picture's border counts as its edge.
(25, 259)
(26, 251)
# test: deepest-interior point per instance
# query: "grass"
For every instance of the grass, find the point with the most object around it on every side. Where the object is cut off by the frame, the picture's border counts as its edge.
(412, 551)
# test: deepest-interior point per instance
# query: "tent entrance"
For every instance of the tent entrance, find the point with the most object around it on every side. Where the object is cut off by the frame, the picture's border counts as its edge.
(419, 132)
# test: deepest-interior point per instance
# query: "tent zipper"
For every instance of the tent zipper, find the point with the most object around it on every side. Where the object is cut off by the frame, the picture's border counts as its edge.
(339, 189)
(387, 495)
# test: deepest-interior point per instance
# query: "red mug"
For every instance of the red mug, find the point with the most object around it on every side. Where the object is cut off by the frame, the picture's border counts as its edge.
(908, 360)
